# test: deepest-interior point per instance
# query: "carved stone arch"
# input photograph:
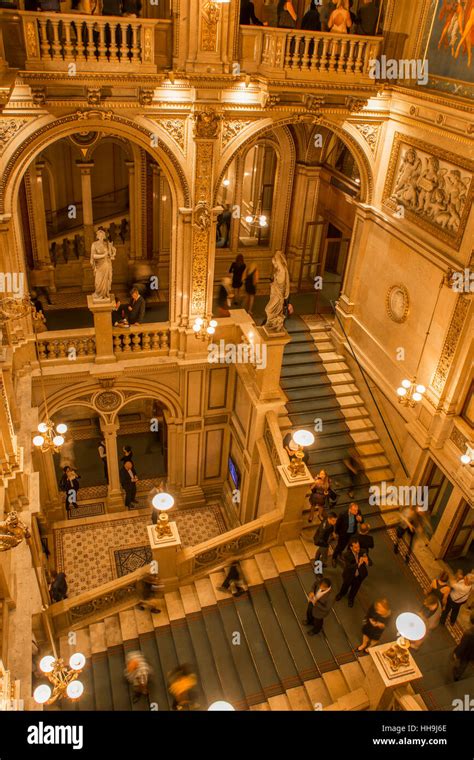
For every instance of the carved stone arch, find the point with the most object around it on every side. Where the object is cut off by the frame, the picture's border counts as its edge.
(143, 388)
(282, 142)
(346, 132)
(122, 142)
(50, 129)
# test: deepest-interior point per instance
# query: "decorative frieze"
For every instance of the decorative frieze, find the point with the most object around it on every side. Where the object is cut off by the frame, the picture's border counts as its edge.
(450, 344)
(459, 440)
(176, 128)
(206, 124)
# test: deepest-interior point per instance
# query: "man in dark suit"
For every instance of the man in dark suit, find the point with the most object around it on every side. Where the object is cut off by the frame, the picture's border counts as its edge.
(355, 571)
(128, 481)
(320, 604)
(136, 310)
(323, 535)
(346, 528)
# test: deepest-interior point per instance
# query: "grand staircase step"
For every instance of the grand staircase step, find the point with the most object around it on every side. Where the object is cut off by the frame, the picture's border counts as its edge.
(299, 699)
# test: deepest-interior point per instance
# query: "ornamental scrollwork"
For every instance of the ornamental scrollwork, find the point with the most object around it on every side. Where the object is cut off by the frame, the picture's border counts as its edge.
(206, 124)
(202, 216)
(108, 401)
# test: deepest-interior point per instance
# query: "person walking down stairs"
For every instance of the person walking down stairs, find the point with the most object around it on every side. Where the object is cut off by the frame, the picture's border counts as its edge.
(182, 682)
(355, 571)
(233, 580)
(137, 672)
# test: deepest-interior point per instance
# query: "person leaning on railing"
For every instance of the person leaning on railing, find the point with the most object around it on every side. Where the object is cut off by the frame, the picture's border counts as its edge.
(247, 14)
(340, 20)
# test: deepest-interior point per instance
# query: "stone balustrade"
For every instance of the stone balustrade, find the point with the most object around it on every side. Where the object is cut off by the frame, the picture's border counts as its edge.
(153, 339)
(67, 345)
(305, 55)
(95, 43)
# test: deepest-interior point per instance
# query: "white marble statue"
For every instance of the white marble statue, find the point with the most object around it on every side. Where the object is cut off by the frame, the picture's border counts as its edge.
(279, 292)
(102, 255)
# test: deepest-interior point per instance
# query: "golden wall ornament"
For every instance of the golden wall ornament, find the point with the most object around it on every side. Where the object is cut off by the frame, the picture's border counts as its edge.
(107, 401)
(12, 532)
(435, 188)
(398, 303)
(370, 133)
(209, 22)
(354, 105)
(9, 128)
(206, 124)
(176, 128)
(450, 343)
(202, 216)
(231, 129)
(314, 103)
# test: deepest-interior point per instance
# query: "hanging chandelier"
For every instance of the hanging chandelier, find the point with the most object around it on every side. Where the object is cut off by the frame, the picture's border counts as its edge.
(63, 679)
(204, 328)
(50, 437)
(410, 392)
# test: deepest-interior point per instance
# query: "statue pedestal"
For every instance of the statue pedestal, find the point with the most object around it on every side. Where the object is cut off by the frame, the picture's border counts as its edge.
(268, 379)
(104, 346)
(165, 552)
(380, 681)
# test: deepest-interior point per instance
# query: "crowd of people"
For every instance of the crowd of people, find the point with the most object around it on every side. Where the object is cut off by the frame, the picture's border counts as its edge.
(326, 16)
(244, 276)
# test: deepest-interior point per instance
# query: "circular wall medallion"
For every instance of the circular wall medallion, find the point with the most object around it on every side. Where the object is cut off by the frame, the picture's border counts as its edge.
(107, 401)
(398, 303)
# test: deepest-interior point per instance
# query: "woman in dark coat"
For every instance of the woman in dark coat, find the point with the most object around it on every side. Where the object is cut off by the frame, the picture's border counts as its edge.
(376, 620)
(237, 268)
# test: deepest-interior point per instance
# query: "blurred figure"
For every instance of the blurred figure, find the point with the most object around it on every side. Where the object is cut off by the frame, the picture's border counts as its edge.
(375, 622)
(366, 542)
(237, 269)
(69, 483)
(322, 537)
(441, 588)
(409, 523)
(354, 466)
(311, 19)
(66, 452)
(247, 14)
(367, 17)
(148, 589)
(223, 297)
(234, 580)
(137, 672)
(430, 613)
(460, 592)
(318, 497)
(182, 684)
(325, 12)
(463, 655)
(340, 20)
(58, 586)
(250, 278)
(286, 14)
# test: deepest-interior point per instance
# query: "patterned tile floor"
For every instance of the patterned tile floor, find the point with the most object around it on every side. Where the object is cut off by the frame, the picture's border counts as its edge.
(88, 554)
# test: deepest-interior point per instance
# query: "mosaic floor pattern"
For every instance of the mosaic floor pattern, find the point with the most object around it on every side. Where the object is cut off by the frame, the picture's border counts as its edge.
(94, 554)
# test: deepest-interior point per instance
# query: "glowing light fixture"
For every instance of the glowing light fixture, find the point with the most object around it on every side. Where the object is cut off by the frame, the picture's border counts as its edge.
(222, 706)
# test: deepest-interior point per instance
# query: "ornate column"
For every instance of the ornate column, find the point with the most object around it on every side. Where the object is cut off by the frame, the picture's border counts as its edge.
(37, 214)
(114, 501)
(156, 207)
(87, 211)
(104, 347)
(304, 206)
(206, 132)
(134, 194)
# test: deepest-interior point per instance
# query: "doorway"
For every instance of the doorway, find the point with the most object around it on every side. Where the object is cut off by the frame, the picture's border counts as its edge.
(325, 250)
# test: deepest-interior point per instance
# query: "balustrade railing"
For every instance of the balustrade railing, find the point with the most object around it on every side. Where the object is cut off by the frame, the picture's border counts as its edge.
(306, 54)
(152, 339)
(107, 43)
(58, 345)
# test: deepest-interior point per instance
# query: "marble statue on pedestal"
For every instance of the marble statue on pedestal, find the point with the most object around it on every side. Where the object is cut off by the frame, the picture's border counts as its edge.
(279, 292)
(102, 255)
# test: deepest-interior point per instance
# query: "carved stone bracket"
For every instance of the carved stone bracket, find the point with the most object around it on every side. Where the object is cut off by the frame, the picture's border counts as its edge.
(94, 95)
(202, 216)
(206, 124)
(354, 105)
(145, 96)
(271, 100)
(314, 103)
(39, 95)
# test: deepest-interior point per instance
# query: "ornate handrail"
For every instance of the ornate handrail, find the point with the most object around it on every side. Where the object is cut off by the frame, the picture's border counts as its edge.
(152, 339)
(306, 53)
(91, 43)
